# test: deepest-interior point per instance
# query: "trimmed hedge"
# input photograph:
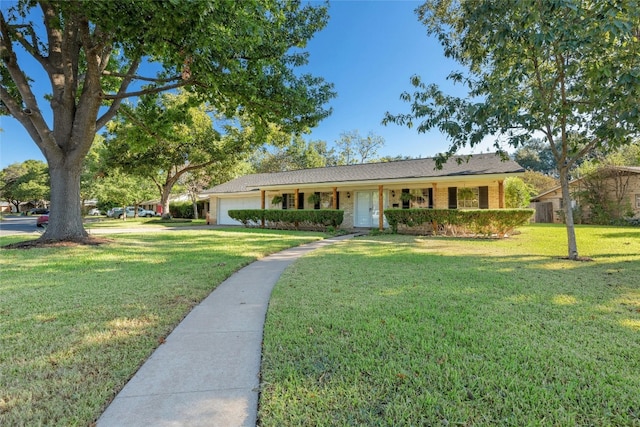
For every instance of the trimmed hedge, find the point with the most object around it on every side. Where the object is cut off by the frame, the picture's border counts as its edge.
(185, 209)
(484, 222)
(285, 219)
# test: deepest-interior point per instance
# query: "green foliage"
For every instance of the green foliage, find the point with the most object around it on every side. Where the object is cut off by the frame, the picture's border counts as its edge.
(354, 148)
(517, 194)
(26, 181)
(313, 199)
(314, 219)
(539, 182)
(184, 209)
(536, 155)
(293, 155)
(485, 222)
(406, 197)
(123, 189)
(93, 168)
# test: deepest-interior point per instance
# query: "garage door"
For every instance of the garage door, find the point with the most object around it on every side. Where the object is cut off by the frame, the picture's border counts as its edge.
(225, 205)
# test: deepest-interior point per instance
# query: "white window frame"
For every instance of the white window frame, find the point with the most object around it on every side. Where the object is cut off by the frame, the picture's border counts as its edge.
(473, 203)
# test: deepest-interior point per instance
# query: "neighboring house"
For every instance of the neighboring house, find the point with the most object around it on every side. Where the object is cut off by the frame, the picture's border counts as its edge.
(618, 183)
(364, 190)
(154, 205)
(6, 207)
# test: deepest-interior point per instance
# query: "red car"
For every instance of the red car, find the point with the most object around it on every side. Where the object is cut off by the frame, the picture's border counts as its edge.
(42, 221)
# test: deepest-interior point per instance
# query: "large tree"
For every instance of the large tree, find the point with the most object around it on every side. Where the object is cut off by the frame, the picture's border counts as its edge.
(237, 55)
(568, 70)
(296, 154)
(166, 136)
(536, 155)
(354, 148)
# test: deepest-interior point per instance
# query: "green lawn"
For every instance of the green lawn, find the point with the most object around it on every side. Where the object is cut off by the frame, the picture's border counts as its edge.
(77, 322)
(399, 330)
(92, 222)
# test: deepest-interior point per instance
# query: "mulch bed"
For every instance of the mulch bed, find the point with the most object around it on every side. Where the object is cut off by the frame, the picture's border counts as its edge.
(42, 243)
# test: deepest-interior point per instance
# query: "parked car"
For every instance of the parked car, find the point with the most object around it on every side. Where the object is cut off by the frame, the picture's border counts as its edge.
(42, 221)
(111, 213)
(38, 211)
(144, 212)
(95, 212)
(117, 212)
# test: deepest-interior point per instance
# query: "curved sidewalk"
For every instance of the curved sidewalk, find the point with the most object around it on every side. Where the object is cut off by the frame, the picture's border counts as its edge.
(207, 372)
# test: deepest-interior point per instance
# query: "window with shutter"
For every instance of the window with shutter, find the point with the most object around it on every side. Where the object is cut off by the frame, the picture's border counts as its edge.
(453, 197)
(483, 197)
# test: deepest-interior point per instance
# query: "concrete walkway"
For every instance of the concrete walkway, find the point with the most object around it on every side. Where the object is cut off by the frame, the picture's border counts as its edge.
(207, 371)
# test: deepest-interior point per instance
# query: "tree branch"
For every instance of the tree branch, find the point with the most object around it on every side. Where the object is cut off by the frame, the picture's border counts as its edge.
(115, 105)
(120, 95)
(141, 78)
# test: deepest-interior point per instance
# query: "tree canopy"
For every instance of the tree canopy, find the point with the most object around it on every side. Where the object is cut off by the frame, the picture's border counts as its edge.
(568, 70)
(25, 182)
(354, 148)
(241, 57)
(166, 136)
(297, 154)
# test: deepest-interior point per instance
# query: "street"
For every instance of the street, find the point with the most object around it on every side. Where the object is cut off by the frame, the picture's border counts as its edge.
(17, 224)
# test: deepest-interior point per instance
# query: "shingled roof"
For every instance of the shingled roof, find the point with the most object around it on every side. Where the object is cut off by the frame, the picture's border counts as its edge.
(474, 165)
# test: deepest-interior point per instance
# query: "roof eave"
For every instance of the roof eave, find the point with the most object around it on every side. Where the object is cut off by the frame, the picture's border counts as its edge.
(391, 181)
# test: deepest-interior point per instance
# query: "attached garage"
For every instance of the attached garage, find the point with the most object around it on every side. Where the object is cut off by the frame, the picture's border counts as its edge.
(227, 204)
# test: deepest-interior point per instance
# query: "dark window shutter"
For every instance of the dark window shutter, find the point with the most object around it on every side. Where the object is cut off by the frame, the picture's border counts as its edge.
(317, 204)
(285, 199)
(338, 200)
(405, 203)
(300, 200)
(453, 197)
(483, 197)
(430, 198)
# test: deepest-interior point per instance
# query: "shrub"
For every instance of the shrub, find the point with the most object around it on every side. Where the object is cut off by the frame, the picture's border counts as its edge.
(284, 219)
(516, 193)
(185, 209)
(485, 222)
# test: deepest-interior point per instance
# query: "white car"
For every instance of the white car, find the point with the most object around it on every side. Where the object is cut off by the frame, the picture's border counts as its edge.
(95, 212)
(131, 212)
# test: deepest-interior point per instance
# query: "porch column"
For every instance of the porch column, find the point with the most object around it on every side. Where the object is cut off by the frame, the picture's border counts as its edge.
(434, 191)
(335, 198)
(262, 206)
(380, 209)
(501, 194)
(295, 199)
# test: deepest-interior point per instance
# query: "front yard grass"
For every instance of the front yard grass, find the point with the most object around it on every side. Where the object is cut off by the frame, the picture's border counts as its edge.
(398, 330)
(92, 222)
(77, 322)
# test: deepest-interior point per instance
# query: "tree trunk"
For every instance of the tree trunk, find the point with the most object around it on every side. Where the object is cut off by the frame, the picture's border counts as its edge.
(195, 209)
(568, 214)
(65, 213)
(164, 201)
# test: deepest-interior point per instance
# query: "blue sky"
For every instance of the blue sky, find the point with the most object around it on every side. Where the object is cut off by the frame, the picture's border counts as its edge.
(369, 50)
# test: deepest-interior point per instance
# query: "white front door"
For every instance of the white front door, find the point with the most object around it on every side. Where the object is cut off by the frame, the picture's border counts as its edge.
(367, 212)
